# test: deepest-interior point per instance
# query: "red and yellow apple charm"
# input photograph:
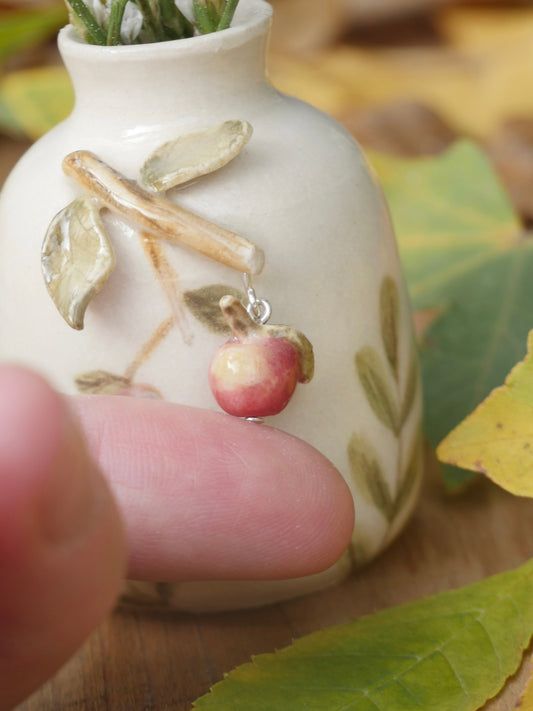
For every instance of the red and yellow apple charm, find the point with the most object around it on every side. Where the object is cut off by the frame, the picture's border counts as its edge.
(255, 373)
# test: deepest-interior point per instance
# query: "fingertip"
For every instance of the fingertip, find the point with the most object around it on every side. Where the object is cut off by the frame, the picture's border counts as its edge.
(210, 496)
(62, 550)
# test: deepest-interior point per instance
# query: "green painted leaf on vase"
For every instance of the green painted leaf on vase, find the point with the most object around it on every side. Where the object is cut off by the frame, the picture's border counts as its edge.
(411, 385)
(368, 475)
(410, 476)
(448, 652)
(388, 311)
(377, 387)
(203, 304)
(100, 382)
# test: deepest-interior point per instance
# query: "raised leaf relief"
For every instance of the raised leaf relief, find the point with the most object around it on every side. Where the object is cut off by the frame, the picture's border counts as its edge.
(377, 388)
(76, 259)
(195, 154)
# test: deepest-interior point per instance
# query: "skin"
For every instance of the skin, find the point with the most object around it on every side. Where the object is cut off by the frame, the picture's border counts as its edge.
(87, 502)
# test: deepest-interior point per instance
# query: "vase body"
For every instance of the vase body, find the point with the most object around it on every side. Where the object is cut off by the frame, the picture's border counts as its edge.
(302, 191)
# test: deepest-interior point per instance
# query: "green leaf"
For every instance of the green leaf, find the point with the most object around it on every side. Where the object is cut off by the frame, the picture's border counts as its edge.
(451, 218)
(24, 28)
(368, 475)
(227, 15)
(203, 304)
(464, 253)
(206, 19)
(76, 259)
(376, 386)
(448, 652)
(497, 438)
(85, 23)
(388, 312)
(471, 348)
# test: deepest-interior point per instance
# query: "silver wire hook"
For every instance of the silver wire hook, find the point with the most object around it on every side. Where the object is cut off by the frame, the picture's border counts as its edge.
(259, 310)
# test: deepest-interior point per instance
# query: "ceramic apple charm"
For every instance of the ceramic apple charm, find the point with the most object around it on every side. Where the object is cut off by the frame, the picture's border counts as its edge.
(255, 373)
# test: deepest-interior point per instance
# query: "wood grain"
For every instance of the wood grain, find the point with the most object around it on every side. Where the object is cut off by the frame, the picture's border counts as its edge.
(161, 661)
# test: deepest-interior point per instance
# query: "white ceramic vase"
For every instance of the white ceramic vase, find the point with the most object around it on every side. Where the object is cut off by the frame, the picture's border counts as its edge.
(302, 191)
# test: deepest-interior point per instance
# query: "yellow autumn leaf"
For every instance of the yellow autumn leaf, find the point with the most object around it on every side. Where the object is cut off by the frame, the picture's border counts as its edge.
(497, 438)
(475, 79)
(525, 702)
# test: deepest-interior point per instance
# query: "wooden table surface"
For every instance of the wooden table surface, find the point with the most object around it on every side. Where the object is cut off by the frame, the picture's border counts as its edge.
(158, 661)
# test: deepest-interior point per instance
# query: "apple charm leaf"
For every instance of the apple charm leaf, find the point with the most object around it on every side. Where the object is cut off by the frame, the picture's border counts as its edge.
(256, 372)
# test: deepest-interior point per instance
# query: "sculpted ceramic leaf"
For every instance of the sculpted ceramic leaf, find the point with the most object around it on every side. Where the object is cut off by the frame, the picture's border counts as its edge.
(449, 652)
(497, 438)
(368, 475)
(388, 311)
(203, 303)
(377, 388)
(76, 259)
(195, 154)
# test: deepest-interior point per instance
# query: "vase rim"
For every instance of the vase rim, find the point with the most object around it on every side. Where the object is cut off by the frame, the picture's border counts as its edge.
(252, 18)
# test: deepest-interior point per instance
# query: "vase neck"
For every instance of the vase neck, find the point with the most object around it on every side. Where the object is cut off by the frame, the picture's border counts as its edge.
(152, 84)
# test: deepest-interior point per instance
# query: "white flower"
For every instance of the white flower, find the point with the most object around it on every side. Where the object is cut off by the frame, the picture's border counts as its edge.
(100, 9)
(132, 23)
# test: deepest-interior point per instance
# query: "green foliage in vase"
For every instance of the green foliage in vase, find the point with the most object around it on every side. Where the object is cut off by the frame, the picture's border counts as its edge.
(113, 22)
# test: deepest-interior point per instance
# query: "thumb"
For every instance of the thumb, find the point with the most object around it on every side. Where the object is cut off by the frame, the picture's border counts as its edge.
(62, 549)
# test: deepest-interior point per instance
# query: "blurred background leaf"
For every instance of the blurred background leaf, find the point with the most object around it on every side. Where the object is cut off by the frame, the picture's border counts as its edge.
(26, 27)
(32, 99)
